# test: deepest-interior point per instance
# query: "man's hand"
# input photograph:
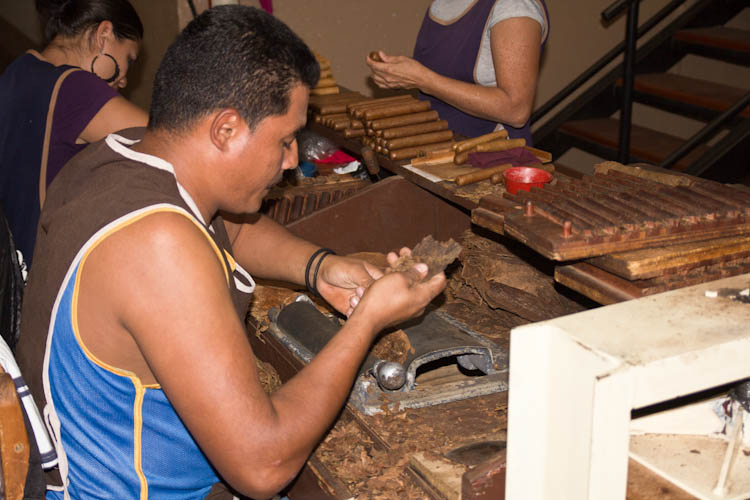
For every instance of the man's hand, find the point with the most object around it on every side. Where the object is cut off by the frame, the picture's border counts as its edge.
(342, 281)
(398, 296)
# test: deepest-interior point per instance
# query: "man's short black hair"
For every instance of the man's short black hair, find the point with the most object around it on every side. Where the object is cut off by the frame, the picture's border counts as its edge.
(230, 56)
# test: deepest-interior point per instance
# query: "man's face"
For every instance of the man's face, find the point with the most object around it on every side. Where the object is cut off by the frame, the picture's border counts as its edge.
(270, 149)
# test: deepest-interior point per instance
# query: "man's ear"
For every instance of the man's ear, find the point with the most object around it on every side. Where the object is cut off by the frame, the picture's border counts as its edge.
(225, 128)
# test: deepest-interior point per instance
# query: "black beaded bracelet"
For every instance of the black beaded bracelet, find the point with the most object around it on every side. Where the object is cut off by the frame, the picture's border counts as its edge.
(323, 252)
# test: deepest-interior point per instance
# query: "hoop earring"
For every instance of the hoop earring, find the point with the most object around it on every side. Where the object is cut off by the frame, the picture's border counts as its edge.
(117, 68)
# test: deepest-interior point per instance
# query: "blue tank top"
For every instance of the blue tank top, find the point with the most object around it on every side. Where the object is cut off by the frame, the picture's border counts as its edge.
(122, 438)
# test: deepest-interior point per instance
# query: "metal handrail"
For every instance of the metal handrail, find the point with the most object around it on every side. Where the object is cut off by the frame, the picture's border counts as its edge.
(628, 77)
(614, 10)
(706, 131)
(602, 62)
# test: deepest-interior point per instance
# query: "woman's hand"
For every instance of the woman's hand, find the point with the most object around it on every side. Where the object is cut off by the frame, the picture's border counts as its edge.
(397, 72)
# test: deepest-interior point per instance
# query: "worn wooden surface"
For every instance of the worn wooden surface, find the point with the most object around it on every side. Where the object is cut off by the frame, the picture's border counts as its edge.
(14, 443)
(652, 262)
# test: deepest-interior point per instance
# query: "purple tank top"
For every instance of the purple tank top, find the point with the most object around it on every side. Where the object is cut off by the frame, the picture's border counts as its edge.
(452, 51)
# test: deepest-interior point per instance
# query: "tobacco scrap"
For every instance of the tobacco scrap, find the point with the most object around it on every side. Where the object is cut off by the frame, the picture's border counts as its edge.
(393, 346)
(269, 377)
(436, 254)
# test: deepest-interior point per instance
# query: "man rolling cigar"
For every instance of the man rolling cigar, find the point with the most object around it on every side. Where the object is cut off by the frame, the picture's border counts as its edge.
(133, 333)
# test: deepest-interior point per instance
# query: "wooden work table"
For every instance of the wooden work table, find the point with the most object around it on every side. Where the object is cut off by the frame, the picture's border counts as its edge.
(401, 455)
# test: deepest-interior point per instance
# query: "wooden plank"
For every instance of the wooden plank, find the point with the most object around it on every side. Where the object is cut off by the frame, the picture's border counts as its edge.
(702, 93)
(600, 286)
(14, 443)
(443, 474)
(717, 36)
(646, 144)
(652, 262)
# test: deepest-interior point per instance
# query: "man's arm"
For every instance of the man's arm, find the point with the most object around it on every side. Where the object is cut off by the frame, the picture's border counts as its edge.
(268, 250)
(173, 301)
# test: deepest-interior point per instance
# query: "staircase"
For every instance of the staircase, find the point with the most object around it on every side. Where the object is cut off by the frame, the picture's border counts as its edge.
(590, 122)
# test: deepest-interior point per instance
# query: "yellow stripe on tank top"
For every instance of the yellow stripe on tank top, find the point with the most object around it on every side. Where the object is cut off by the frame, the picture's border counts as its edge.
(74, 305)
(140, 388)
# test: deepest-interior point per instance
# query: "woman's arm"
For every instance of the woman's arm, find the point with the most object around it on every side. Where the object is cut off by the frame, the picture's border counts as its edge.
(515, 46)
(117, 114)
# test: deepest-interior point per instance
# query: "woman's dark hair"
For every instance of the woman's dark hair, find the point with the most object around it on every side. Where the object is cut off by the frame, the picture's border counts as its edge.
(230, 56)
(72, 17)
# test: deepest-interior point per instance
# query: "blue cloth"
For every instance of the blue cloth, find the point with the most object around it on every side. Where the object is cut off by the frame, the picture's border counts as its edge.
(122, 439)
(26, 88)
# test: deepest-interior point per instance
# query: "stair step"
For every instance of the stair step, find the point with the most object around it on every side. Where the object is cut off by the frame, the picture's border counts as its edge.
(646, 144)
(691, 91)
(717, 36)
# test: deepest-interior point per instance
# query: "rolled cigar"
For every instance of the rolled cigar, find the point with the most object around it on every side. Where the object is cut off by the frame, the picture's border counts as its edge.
(341, 125)
(360, 111)
(382, 100)
(463, 157)
(481, 175)
(326, 82)
(334, 117)
(317, 118)
(462, 146)
(331, 107)
(344, 96)
(324, 91)
(375, 56)
(418, 140)
(399, 121)
(396, 110)
(409, 130)
(544, 156)
(433, 158)
(500, 145)
(354, 132)
(406, 153)
(358, 124)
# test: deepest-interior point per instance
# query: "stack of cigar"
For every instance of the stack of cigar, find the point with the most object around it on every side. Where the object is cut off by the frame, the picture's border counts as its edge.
(327, 83)
(400, 127)
(458, 154)
(330, 111)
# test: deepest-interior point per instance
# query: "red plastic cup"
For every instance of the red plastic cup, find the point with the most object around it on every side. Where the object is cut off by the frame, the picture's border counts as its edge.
(524, 178)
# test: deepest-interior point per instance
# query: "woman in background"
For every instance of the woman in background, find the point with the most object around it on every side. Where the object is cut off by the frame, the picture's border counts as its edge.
(476, 61)
(57, 101)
